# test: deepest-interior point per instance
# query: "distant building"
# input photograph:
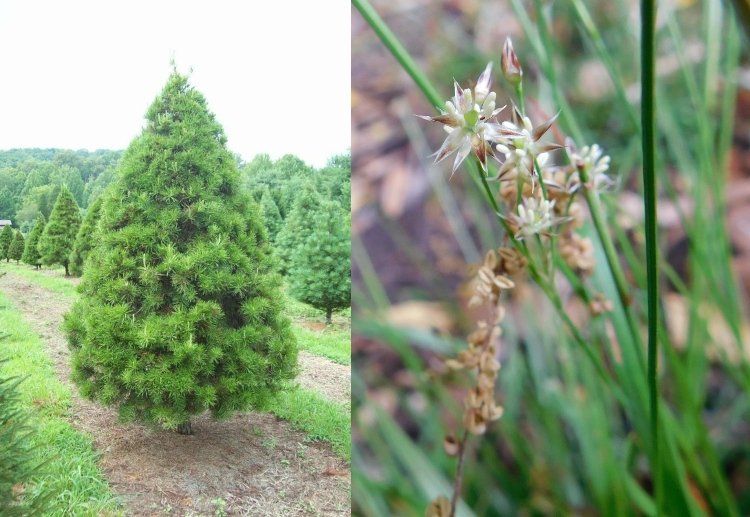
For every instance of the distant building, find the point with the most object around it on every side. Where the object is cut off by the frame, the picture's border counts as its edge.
(4, 223)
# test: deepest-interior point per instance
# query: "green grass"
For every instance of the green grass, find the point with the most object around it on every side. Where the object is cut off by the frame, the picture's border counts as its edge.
(524, 464)
(320, 418)
(71, 470)
(60, 285)
(334, 344)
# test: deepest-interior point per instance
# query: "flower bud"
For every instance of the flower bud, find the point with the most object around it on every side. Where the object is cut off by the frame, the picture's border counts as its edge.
(511, 67)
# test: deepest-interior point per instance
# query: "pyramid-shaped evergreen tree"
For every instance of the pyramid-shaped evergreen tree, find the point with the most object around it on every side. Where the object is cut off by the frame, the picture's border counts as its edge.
(31, 255)
(320, 267)
(15, 251)
(84, 238)
(6, 238)
(180, 310)
(60, 233)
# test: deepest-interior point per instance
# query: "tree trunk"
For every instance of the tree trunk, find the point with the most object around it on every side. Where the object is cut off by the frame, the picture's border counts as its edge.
(66, 269)
(185, 428)
(329, 313)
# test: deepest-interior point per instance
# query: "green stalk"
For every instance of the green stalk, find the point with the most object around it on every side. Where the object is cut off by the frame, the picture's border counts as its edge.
(648, 140)
(392, 43)
(615, 268)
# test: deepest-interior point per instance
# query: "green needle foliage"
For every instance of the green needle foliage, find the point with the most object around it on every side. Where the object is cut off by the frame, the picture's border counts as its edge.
(6, 238)
(271, 214)
(15, 251)
(84, 239)
(320, 268)
(17, 459)
(60, 233)
(297, 226)
(180, 308)
(31, 255)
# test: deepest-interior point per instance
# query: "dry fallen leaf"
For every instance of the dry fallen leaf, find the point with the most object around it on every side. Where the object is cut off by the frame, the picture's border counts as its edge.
(420, 315)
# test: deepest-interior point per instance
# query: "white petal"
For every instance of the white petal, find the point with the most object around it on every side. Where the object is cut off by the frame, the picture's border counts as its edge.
(482, 88)
(463, 152)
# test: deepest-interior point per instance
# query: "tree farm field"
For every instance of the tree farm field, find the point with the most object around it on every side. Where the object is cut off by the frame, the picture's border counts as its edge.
(175, 326)
(291, 460)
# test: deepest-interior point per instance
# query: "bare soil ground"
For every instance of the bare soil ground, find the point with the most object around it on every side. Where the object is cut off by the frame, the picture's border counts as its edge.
(257, 464)
(332, 380)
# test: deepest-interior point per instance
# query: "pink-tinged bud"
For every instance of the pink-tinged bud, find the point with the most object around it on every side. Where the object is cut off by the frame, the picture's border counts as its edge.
(511, 67)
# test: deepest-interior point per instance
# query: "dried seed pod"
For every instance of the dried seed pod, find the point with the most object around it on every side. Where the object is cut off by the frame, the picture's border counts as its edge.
(451, 445)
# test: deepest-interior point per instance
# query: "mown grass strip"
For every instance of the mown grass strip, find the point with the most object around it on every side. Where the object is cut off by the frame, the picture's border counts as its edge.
(70, 471)
(59, 285)
(333, 344)
(320, 418)
(306, 410)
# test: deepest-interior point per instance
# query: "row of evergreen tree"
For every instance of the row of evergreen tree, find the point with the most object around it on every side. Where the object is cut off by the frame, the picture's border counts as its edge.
(306, 213)
(31, 180)
(64, 240)
(312, 242)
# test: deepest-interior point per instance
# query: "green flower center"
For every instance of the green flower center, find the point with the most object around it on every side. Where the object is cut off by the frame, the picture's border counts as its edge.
(471, 118)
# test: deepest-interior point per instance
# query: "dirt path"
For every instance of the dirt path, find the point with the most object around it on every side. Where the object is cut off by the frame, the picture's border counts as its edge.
(256, 463)
(331, 379)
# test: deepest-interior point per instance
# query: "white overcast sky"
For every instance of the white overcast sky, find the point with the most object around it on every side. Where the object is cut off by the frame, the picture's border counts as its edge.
(80, 74)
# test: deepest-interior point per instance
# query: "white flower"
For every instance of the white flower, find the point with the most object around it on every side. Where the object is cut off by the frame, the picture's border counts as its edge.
(467, 119)
(534, 217)
(592, 161)
(520, 142)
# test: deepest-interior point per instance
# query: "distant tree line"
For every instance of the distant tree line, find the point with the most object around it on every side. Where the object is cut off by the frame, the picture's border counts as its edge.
(31, 180)
(304, 211)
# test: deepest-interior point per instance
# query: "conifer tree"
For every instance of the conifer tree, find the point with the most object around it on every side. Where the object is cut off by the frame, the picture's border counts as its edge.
(85, 238)
(60, 233)
(18, 463)
(320, 268)
(271, 215)
(31, 255)
(180, 308)
(15, 251)
(6, 238)
(296, 226)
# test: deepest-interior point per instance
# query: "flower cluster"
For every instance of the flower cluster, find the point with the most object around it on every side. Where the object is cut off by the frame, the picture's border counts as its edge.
(537, 202)
(470, 118)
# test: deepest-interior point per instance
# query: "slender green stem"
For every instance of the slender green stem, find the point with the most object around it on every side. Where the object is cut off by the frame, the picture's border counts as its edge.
(600, 224)
(615, 268)
(399, 52)
(521, 100)
(648, 124)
